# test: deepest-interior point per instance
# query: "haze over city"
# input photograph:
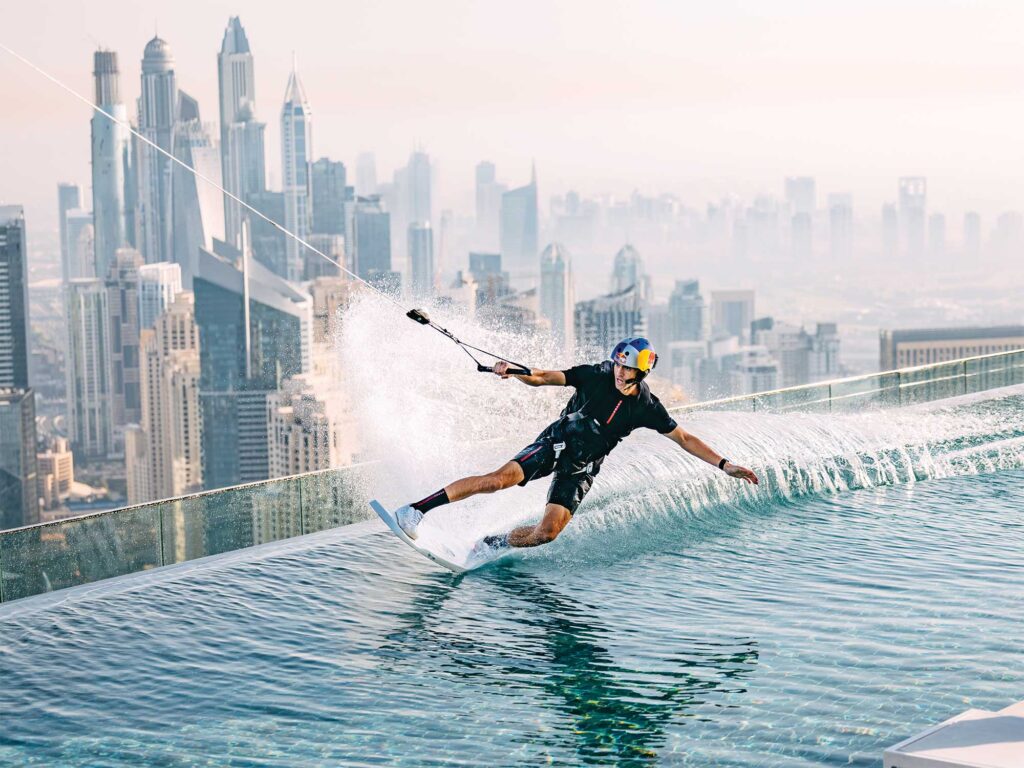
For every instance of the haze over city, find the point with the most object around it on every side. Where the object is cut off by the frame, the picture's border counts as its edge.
(693, 99)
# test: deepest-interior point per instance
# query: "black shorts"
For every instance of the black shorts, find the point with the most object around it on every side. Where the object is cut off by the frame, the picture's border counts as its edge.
(539, 459)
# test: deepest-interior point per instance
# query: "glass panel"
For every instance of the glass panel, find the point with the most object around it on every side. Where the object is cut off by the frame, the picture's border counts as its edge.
(235, 518)
(932, 383)
(880, 391)
(814, 398)
(993, 372)
(334, 498)
(78, 551)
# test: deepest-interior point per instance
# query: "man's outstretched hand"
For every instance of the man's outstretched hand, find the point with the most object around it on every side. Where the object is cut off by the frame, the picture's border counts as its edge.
(740, 473)
(501, 369)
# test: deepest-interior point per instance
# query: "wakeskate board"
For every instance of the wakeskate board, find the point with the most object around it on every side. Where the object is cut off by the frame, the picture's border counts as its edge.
(443, 558)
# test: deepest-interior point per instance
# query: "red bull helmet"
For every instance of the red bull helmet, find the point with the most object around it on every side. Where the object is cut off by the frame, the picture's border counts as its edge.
(635, 353)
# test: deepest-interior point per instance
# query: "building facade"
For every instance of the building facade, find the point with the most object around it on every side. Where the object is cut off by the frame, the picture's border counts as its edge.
(923, 346)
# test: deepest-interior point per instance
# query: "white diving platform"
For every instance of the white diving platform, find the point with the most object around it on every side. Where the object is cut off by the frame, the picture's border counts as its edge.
(974, 739)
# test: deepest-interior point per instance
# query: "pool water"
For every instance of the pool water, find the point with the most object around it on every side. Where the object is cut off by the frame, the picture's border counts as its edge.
(867, 590)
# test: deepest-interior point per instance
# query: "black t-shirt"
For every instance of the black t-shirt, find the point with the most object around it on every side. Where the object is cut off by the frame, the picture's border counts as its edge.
(617, 414)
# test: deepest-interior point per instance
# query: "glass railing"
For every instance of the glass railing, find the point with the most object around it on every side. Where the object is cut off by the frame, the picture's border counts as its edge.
(79, 550)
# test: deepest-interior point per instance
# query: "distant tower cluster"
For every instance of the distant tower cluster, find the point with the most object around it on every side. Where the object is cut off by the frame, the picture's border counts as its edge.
(296, 157)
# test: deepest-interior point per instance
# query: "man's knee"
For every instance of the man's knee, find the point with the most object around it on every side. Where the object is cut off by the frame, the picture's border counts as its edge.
(554, 522)
(507, 476)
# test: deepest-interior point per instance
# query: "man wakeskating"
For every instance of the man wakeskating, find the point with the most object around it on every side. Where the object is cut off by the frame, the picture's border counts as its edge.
(611, 400)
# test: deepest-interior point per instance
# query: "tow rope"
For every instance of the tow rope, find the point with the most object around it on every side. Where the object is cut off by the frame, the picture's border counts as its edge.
(422, 318)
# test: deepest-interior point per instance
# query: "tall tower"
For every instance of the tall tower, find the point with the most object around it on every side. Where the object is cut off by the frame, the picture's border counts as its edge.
(88, 369)
(241, 136)
(14, 323)
(519, 233)
(557, 296)
(111, 162)
(158, 109)
(421, 257)
(913, 212)
(69, 198)
(296, 151)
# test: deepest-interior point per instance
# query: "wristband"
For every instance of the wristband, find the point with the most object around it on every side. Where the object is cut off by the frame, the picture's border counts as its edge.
(722, 463)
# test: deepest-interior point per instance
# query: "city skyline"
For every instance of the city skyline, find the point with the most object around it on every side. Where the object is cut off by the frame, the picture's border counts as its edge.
(777, 121)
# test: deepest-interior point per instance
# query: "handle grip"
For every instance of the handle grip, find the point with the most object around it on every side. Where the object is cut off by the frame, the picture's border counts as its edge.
(515, 371)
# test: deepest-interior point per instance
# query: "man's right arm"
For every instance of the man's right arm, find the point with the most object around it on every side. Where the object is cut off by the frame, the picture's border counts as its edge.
(536, 379)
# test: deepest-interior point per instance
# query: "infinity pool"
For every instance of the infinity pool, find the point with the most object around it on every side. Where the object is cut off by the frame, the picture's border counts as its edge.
(808, 626)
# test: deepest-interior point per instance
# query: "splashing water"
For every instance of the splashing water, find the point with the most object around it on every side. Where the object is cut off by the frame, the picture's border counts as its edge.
(429, 418)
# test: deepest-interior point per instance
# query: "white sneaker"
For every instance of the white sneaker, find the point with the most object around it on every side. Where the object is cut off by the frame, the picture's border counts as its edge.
(409, 520)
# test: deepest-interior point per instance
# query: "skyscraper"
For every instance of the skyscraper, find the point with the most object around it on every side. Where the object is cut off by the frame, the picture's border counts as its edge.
(158, 285)
(111, 162)
(88, 369)
(296, 154)
(158, 113)
(937, 236)
(69, 197)
(370, 238)
(19, 496)
(241, 136)
(628, 269)
(488, 206)
(14, 320)
(80, 246)
(913, 212)
(421, 256)
(603, 322)
(330, 192)
(255, 330)
(366, 174)
(687, 312)
(198, 206)
(732, 313)
(890, 231)
(122, 283)
(171, 428)
(557, 295)
(520, 236)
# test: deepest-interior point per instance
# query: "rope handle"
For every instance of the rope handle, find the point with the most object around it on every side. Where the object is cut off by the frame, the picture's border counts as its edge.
(511, 371)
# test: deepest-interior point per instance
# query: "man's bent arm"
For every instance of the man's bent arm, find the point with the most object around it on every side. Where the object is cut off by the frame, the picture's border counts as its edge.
(694, 446)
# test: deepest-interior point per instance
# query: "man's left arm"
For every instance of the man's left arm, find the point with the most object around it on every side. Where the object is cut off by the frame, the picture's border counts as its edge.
(694, 446)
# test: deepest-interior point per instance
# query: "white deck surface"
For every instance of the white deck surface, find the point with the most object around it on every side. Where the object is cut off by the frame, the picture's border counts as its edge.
(974, 739)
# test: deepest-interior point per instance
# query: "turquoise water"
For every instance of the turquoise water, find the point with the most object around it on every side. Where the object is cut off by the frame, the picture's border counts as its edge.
(872, 587)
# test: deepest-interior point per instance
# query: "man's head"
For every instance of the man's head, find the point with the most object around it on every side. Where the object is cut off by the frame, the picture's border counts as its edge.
(634, 358)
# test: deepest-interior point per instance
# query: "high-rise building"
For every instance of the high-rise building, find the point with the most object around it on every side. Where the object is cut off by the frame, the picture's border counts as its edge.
(241, 136)
(840, 221)
(111, 162)
(370, 238)
(923, 346)
(488, 206)
(55, 469)
(306, 430)
(14, 315)
(418, 186)
(802, 357)
(1006, 239)
(913, 213)
(972, 234)
(80, 245)
(69, 197)
(255, 330)
(801, 195)
(558, 295)
(520, 233)
(330, 192)
(296, 156)
(421, 257)
(366, 174)
(87, 365)
(268, 242)
(158, 114)
(732, 313)
(628, 269)
(687, 312)
(315, 265)
(169, 442)
(491, 282)
(198, 206)
(19, 493)
(603, 322)
(123, 310)
(158, 285)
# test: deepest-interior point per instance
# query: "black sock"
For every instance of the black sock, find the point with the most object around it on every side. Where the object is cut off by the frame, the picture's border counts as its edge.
(499, 541)
(438, 499)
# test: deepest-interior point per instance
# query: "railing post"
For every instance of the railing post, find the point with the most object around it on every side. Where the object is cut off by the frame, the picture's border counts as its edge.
(830, 398)
(899, 389)
(160, 522)
(965, 376)
(302, 511)
(1, 569)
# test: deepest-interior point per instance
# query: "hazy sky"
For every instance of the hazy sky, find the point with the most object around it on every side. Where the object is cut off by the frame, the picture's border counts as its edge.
(700, 99)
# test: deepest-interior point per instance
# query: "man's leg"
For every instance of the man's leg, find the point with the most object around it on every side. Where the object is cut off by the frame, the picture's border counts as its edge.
(556, 517)
(507, 475)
